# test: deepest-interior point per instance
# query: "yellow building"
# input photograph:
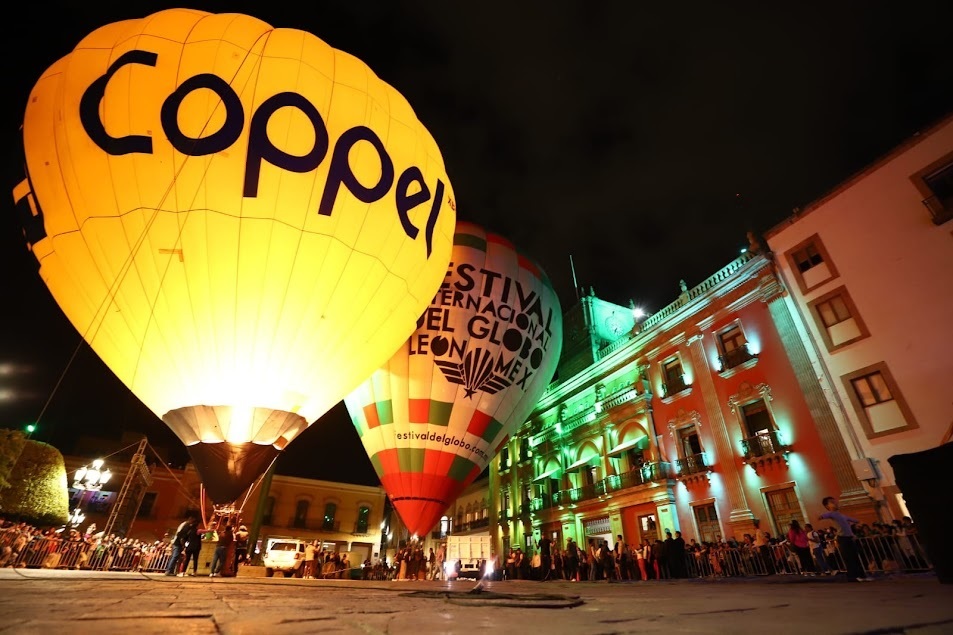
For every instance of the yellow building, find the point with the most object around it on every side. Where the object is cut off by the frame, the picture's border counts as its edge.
(340, 516)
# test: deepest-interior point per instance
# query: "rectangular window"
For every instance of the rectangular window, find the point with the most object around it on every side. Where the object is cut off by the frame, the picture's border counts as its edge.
(837, 319)
(807, 258)
(691, 444)
(784, 507)
(706, 518)
(363, 519)
(810, 263)
(734, 347)
(328, 524)
(872, 389)
(732, 339)
(876, 397)
(757, 418)
(673, 376)
(939, 183)
(833, 311)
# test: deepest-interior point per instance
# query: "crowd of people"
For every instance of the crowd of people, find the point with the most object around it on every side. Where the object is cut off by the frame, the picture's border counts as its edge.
(880, 547)
(324, 563)
(24, 545)
(850, 547)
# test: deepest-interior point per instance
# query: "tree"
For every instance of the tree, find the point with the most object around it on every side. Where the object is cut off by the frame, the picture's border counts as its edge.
(11, 444)
(38, 492)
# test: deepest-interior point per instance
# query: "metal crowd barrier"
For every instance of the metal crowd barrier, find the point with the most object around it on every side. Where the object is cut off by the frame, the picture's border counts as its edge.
(55, 553)
(878, 554)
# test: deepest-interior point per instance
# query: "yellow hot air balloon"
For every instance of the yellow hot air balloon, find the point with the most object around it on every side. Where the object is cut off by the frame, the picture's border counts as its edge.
(242, 221)
(485, 349)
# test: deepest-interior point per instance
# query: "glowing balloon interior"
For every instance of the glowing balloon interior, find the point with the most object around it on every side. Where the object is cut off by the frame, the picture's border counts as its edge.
(242, 221)
(433, 417)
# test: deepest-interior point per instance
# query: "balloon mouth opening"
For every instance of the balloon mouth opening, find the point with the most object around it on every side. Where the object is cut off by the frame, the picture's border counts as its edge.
(235, 424)
(232, 446)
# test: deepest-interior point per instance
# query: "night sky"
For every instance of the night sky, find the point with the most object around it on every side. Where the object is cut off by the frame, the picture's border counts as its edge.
(644, 143)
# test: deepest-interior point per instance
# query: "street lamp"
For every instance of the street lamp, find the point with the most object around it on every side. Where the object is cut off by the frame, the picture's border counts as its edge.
(76, 518)
(91, 478)
(30, 429)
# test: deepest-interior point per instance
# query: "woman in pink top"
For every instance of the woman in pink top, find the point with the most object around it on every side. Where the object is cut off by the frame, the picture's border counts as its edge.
(797, 540)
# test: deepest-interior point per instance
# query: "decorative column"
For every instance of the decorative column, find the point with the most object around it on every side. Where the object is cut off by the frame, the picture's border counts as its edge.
(654, 454)
(607, 445)
(496, 529)
(852, 493)
(741, 520)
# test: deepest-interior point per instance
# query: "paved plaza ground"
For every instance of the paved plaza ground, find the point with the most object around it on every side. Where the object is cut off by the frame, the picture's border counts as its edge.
(79, 602)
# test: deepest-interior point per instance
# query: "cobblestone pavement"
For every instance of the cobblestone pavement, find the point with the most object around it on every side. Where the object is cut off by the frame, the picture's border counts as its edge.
(79, 602)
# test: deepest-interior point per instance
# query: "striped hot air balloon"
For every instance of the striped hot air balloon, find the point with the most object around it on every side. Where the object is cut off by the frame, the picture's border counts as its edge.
(433, 417)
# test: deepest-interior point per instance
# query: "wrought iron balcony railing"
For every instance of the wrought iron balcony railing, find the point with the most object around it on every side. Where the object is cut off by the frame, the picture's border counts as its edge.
(693, 464)
(648, 473)
(763, 445)
(674, 386)
(542, 502)
(736, 357)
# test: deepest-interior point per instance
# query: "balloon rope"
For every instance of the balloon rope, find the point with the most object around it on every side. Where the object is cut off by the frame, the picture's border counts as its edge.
(59, 381)
(202, 504)
(255, 485)
(182, 488)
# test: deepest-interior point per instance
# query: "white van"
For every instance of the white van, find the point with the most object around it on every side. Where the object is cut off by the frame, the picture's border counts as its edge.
(285, 555)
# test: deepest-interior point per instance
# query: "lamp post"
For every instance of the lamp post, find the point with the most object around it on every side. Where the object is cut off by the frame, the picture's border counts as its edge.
(88, 479)
(30, 429)
(91, 478)
(76, 518)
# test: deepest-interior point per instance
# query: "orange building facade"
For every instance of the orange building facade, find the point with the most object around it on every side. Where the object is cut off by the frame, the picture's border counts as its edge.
(706, 417)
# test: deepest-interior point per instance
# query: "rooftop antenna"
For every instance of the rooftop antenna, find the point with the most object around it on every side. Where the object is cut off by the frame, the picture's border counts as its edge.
(575, 283)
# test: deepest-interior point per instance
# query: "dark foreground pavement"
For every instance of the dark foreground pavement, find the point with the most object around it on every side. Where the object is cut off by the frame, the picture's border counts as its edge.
(77, 602)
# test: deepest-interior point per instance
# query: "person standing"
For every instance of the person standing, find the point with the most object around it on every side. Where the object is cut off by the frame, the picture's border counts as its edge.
(225, 540)
(545, 546)
(845, 539)
(799, 541)
(309, 550)
(816, 543)
(193, 546)
(572, 561)
(241, 545)
(677, 556)
(178, 546)
(762, 545)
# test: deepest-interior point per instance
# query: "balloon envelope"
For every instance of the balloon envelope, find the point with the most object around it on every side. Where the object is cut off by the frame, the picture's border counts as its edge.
(242, 221)
(433, 417)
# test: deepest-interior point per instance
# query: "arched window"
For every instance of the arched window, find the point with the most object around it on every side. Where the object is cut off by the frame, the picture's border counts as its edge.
(329, 510)
(301, 514)
(363, 518)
